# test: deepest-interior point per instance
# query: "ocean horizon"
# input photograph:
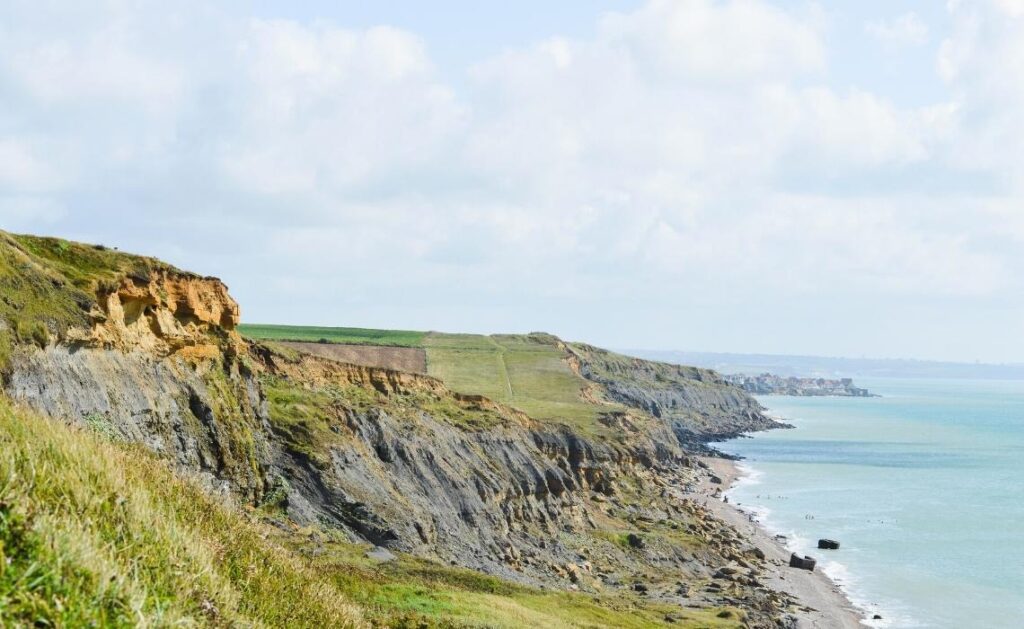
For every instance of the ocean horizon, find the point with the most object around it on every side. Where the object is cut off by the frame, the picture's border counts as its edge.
(921, 487)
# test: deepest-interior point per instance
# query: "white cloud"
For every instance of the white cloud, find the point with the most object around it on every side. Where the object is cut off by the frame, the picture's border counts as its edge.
(323, 108)
(1013, 8)
(21, 170)
(905, 30)
(712, 40)
(687, 148)
(979, 62)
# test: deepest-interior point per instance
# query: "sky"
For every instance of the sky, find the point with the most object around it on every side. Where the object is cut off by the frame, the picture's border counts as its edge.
(836, 178)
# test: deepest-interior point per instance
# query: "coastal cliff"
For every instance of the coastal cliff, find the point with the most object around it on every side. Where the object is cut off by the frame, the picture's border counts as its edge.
(698, 404)
(140, 352)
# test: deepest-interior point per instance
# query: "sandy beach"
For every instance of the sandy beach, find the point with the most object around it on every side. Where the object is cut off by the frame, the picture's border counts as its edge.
(824, 606)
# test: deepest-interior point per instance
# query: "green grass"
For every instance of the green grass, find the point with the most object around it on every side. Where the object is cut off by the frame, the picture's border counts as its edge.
(413, 592)
(348, 336)
(49, 285)
(85, 264)
(528, 372)
(98, 534)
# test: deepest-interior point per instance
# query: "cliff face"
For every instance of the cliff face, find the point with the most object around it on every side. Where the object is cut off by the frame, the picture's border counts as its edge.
(698, 404)
(158, 364)
(391, 458)
(205, 415)
(163, 313)
(501, 493)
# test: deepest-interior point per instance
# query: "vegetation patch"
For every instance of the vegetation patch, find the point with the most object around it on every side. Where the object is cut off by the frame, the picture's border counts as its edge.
(528, 372)
(94, 533)
(351, 336)
(101, 425)
(413, 592)
(48, 285)
(97, 534)
(303, 416)
(86, 265)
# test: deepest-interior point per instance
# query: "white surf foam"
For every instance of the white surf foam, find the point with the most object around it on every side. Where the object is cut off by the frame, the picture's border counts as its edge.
(838, 572)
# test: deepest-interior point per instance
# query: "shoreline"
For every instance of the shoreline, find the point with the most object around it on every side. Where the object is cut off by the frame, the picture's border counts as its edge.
(823, 605)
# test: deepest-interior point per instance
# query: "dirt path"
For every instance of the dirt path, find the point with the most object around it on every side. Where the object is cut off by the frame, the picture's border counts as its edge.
(504, 369)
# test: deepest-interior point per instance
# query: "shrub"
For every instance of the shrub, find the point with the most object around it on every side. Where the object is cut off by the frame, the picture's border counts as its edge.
(40, 334)
(34, 332)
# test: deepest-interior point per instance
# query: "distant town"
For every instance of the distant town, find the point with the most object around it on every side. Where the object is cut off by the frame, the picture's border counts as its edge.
(770, 384)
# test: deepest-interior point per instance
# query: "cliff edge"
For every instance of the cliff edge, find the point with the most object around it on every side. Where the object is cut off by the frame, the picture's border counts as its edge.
(141, 352)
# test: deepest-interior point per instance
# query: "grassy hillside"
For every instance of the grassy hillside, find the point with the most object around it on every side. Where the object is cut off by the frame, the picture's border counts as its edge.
(532, 372)
(528, 372)
(96, 533)
(49, 284)
(93, 534)
(355, 336)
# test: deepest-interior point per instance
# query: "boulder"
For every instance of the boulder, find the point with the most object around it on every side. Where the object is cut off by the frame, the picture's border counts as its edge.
(828, 544)
(804, 563)
(381, 554)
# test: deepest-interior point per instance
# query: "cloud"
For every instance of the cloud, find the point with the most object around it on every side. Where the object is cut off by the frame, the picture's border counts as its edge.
(22, 170)
(327, 109)
(905, 30)
(705, 39)
(694, 149)
(985, 48)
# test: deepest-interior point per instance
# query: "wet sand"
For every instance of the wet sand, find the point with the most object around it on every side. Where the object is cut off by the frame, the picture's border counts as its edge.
(824, 606)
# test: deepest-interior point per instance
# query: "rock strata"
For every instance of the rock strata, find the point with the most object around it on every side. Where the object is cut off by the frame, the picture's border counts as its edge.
(401, 462)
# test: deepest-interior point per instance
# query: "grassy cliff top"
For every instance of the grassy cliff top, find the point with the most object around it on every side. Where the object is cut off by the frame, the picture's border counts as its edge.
(84, 265)
(48, 284)
(532, 372)
(344, 336)
(603, 365)
(528, 372)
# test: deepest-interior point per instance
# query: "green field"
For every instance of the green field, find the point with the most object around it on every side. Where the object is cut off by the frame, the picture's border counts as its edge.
(528, 372)
(351, 336)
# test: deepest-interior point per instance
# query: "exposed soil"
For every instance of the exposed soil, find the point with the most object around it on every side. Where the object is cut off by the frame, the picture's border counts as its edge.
(409, 359)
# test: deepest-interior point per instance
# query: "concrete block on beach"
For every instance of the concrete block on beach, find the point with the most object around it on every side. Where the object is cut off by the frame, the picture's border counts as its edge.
(804, 563)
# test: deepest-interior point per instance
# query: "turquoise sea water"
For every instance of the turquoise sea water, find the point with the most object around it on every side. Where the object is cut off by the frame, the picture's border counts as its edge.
(923, 487)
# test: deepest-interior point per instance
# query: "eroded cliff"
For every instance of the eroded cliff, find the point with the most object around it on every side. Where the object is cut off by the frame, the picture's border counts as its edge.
(146, 353)
(698, 404)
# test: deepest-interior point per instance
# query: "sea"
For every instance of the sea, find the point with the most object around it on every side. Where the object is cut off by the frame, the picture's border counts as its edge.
(923, 488)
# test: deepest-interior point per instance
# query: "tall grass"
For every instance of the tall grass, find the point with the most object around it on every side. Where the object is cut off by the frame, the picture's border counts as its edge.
(98, 534)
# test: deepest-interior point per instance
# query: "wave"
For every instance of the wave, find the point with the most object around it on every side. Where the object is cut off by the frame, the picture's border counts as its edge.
(797, 542)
